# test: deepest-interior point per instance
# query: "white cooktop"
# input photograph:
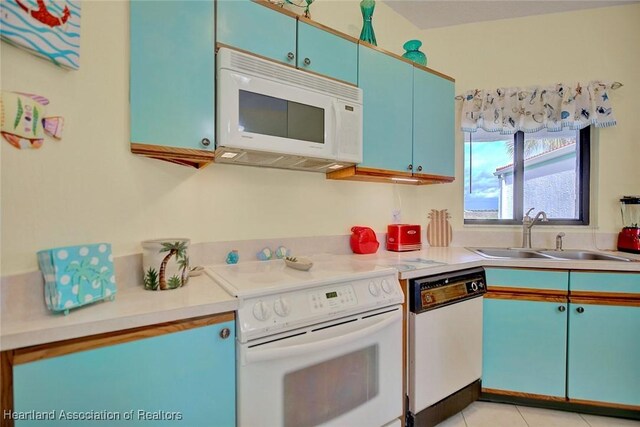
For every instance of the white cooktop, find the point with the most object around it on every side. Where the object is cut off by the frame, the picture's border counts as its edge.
(255, 278)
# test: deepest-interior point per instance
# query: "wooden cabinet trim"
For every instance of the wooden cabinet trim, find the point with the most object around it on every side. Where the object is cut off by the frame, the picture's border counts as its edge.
(518, 290)
(60, 348)
(525, 297)
(525, 395)
(6, 379)
(605, 404)
(182, 156)
(356, 173)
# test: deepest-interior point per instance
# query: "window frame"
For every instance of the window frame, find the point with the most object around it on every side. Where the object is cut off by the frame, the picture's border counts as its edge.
(583, 153)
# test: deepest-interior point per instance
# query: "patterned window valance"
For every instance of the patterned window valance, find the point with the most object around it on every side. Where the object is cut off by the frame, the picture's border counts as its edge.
(557, 107)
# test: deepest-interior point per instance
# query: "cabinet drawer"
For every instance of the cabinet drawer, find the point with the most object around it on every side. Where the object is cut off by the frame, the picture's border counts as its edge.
(527, 279)
(605, 282)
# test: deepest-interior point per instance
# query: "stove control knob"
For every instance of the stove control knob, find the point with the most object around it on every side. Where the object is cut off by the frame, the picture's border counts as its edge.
(374, 289)
(386, 287)
(282, 307)
(261, 311)
(474, 286)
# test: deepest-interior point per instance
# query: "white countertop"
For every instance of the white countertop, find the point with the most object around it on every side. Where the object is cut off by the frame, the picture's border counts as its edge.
(23, 325)
(26, 322)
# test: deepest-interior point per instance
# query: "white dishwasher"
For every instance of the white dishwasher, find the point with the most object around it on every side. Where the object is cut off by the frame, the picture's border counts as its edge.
(445, 344)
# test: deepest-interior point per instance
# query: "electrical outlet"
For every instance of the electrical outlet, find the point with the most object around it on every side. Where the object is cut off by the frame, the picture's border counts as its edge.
(396, 216)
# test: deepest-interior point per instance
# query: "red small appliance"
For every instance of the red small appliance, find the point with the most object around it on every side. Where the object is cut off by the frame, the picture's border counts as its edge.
(629, 237)
(404, 237)
(363, 240)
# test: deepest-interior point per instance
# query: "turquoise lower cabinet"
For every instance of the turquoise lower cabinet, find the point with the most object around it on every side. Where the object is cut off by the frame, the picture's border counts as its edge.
(387, 85)
(184, 378)
(434, 148)
(604, 353)
(524, 346)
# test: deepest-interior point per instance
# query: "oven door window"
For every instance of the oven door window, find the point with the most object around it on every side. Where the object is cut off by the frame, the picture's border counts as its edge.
(268, 115)
(340, 384)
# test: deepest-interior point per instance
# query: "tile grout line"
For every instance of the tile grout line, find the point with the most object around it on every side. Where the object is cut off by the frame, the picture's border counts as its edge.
(525, 420)
(584, 419)
(464, 418)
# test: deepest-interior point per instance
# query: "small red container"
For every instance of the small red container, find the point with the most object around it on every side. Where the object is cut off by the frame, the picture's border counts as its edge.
(404, 237)
(363, 240)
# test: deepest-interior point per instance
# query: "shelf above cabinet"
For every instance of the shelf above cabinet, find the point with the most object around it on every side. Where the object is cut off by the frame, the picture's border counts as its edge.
(355, 173)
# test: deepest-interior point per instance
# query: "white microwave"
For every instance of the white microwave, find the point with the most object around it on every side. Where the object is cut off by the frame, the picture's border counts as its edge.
(276, 116)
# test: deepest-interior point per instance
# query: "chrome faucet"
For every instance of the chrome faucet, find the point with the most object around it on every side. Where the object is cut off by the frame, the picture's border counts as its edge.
(528, 223)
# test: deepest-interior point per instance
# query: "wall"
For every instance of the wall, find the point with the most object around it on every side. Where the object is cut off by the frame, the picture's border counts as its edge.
(584, 45)
(90, 188)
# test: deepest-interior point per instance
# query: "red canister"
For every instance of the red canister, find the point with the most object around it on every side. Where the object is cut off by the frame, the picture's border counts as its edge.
(363, 240)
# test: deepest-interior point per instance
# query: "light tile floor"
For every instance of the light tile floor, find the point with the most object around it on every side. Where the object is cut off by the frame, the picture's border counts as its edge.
(487, 414)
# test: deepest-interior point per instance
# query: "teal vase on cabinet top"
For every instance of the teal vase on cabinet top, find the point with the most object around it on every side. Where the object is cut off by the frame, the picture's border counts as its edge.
(367, 7)
(413, 52)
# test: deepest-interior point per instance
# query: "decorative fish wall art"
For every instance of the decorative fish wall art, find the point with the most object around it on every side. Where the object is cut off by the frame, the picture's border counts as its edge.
(47, 28)
(24, 122)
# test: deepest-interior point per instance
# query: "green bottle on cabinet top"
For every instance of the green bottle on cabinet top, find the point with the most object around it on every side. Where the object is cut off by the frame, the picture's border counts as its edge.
(413, 52)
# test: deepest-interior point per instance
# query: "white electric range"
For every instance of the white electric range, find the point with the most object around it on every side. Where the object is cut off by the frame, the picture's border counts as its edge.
(316, 348)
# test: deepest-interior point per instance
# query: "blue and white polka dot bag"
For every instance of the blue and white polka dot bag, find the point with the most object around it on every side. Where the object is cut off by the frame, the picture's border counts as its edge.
(77, 275)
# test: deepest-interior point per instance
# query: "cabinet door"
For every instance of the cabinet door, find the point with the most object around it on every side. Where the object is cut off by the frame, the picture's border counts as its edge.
(191, 373)
(387, 85)
(325, 53)
(524, 346)
(172, 73)
(433, 124)
(604, 353)
(527, 279)
(256, 29)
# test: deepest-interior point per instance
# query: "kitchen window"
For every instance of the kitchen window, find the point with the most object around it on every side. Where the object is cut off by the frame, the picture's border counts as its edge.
(506, 175)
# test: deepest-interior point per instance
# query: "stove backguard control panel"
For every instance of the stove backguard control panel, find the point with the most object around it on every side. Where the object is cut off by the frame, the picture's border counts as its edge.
(271, 314)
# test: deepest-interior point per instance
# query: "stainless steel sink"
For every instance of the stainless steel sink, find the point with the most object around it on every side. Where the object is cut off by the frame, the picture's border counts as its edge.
(565, 255)
(582, 255)
(508, 253)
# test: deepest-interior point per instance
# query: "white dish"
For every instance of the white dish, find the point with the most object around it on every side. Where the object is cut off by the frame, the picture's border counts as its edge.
(299, 263)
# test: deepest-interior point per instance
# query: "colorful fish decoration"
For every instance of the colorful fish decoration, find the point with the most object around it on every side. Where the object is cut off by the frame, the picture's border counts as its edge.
(24, 121)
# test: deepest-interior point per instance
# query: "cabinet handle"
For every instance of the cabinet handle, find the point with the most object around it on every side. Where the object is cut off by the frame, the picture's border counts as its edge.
(410, 167)
(290, 56)
(580, 310)
(225, 333)
(561, 309)
(205, 142)
(307, 61)
(419, 168)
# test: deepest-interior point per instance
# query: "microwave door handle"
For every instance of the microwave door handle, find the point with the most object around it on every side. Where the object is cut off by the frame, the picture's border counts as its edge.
(337, 121)
(262, 355)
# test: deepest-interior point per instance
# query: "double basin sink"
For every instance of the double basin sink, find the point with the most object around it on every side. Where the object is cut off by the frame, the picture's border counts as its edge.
(564, 255)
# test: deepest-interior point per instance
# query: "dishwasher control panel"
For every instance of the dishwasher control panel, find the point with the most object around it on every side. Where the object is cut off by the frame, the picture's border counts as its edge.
(427, 293)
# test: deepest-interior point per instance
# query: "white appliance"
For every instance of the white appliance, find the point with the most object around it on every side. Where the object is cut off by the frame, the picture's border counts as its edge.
(445, 344)
(316, 348)
(276, 116)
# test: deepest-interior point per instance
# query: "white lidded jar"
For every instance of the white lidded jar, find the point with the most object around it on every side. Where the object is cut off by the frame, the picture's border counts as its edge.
(165, 263)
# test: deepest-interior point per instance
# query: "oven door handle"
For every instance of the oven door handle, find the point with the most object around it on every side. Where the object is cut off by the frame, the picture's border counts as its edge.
(260, 355)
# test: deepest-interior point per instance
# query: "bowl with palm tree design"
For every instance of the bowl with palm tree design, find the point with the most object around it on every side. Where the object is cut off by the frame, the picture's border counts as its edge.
(165, 263)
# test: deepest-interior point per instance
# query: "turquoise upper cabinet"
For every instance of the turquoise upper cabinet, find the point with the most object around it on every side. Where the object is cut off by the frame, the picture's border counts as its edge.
(257, 29)
(172, 76)
(278, 35)
(387, 85)
(604, 353)
(524, 346)
(433, 124)
(323, 52)
(188, 375)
